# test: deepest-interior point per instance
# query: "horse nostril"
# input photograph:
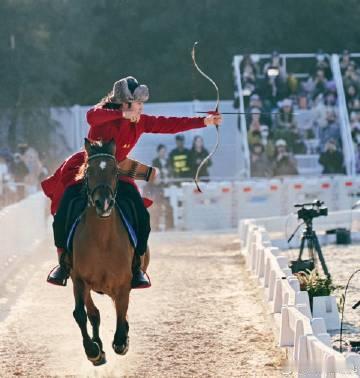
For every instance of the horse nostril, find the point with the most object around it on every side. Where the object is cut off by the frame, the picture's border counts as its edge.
(97, 203)
(112, 203)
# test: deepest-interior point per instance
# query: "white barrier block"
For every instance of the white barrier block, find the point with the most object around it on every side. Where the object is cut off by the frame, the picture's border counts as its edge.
(286, 333)
(303, 356)
(260, 268)
(325, 338)
(326, 308)
(283, 261)
(299, 331)
(328, 369)
(318, 326)
(277, 296)
(294, 283)
(302, 297)
(353, 362)
(272, 282)
(304, 309)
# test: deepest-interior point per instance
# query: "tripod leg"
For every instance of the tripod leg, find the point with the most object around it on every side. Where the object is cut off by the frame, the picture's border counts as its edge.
(302, 244)
(320, 254)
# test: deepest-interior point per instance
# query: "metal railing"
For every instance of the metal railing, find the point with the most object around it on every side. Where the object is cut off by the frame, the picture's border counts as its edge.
(348, 146)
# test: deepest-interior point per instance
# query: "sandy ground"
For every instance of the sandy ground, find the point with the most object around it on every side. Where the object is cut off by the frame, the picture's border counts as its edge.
(203, 317)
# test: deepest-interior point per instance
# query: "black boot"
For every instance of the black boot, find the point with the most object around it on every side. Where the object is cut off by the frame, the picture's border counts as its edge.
(60, 274)
(140, 279)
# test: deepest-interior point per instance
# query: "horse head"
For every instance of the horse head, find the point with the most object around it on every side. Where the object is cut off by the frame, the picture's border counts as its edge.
(101, 176)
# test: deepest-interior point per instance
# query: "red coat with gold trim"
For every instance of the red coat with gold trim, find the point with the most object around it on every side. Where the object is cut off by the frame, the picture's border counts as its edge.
(106, 124)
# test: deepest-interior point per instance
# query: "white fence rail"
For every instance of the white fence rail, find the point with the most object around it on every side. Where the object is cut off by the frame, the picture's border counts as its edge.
(311, 354)
(23, 226)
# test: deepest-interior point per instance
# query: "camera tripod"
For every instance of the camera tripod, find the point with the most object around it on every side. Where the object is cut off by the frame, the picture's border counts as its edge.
(309, 238)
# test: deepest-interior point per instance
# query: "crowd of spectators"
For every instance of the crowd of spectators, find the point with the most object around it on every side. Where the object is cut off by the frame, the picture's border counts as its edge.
(175, 167)
(350, 71)
(290, 115)
(20, 173)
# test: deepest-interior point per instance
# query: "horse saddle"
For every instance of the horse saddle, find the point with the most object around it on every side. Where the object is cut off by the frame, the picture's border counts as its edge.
(124, 207)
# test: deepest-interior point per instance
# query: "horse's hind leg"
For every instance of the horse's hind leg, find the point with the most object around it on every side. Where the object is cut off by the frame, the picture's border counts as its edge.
(94, 318)
(92, 349)
(121, 338)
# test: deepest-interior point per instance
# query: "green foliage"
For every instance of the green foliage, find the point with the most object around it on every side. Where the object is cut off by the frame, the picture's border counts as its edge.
(315, 284)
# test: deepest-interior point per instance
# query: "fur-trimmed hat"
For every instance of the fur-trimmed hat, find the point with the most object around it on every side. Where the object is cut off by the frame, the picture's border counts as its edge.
(128, 89)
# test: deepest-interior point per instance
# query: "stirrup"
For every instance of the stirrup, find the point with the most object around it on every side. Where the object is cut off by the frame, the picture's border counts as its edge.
(58, 281)
(143, 285)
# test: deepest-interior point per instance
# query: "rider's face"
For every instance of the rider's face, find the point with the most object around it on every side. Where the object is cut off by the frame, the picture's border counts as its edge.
(136, 106)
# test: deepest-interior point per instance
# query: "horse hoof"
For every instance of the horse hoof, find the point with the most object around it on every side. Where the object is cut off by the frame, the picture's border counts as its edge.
(99, 358)
(121, 349)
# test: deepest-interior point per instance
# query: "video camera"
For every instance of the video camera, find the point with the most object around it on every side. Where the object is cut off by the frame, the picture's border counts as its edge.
(311, 210)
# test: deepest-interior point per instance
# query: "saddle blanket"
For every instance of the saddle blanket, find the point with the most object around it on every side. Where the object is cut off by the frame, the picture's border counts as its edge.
(125, 209)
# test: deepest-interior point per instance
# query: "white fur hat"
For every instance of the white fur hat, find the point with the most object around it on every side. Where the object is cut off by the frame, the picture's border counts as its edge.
(128, 89)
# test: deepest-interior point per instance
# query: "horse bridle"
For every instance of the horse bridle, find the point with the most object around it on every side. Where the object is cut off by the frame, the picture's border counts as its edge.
(91, 193)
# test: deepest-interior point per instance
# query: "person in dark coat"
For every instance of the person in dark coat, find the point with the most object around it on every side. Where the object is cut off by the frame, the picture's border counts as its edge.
(284, 164)
(332, 159)
(197, 154)
(259, 163)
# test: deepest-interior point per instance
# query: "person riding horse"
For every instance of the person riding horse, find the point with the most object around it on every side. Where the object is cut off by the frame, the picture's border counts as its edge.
(118, 116)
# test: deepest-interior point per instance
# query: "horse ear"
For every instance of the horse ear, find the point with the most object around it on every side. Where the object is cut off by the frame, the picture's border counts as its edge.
(87, 145)
(112, 147)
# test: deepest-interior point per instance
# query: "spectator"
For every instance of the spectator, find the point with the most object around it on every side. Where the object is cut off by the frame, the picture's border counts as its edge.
(259, 163)
(344, 61)
(322, 63)
(319, 84)
(35, 169)
(331, 159)
(331, 130)
(161, 212)
(197, 154)
(248, 65)
(256, 103)
(161, 162)
(304, 116)
(351, 95)
(284, 164)
(179, 159)
(296, 143)
(254, 135)
(267, 142)
(285, 121)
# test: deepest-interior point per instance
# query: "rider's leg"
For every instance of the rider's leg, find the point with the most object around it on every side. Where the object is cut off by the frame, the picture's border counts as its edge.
(60, 274)
(126, 190)
(145, 260)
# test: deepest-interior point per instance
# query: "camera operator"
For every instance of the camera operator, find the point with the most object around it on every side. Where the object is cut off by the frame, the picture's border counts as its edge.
(284, 164)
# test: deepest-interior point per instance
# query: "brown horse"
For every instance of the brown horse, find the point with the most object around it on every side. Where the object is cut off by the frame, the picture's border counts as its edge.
(102, 253)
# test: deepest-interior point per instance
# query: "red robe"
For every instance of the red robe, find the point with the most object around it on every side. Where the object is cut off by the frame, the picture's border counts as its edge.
(106, 124)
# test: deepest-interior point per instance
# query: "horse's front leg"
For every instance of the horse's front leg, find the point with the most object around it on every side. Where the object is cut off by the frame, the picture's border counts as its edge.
(92, 349)
(93, 314)
(121, 338)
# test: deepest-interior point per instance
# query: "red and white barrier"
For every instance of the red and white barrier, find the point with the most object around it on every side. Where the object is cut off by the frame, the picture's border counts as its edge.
(211, 209)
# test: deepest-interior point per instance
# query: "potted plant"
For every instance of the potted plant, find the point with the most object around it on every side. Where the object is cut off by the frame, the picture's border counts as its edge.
(315, 284)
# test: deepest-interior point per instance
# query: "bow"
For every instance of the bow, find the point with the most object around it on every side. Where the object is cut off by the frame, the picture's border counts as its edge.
(211, 112)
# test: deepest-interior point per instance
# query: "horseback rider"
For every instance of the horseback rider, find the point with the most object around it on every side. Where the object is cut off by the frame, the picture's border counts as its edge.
(118, 116)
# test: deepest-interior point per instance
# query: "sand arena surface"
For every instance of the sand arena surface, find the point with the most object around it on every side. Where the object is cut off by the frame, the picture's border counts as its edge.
(203, 317)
